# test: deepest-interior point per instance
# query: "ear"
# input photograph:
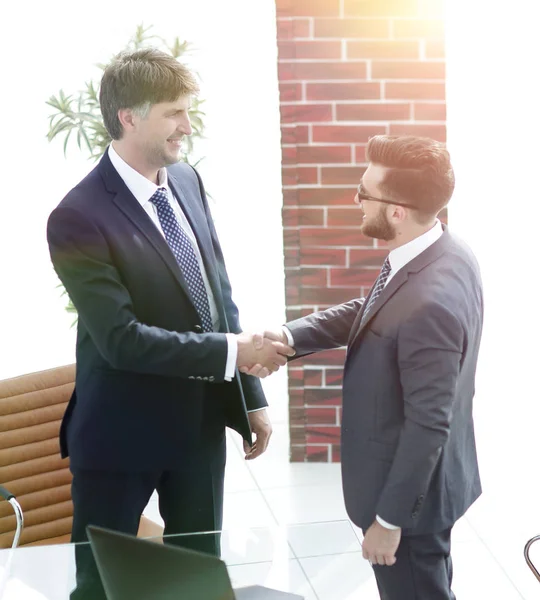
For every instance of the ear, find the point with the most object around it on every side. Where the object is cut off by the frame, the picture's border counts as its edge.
(127, 119)
(398, 214)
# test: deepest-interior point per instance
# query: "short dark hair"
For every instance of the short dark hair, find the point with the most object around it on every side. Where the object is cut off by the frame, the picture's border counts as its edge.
(419, 171)
(139, 79)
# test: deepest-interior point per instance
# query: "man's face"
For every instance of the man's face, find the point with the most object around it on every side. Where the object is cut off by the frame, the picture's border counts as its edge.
(159, 134)
(376, 223)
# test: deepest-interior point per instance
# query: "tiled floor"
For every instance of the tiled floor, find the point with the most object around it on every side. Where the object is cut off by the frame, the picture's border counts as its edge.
(487, 549)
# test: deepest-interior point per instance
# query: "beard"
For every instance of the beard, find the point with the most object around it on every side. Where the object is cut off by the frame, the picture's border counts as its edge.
(379, 227)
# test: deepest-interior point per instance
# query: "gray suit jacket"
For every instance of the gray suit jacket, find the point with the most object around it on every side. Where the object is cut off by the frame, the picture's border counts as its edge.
(408, 447)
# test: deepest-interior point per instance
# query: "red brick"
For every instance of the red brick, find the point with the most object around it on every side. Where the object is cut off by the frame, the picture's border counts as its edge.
(333, 377)
(343, 91)
(321, 70)
(290, 92)
(310, 49)
(297, 432)
(336, 453)
(297, 113)
(323, 154)
(328, 357)
(323, 256)
(430, 111)
(408, 70)
(325, 196)
(297, 454)
(322, 397)
(333, 236)
(377, 8)
(297, 134)
(419, 28)
(415, 91)
(288, 156)
(346, 134)
(435, 49)
(292, 295)
(366, 258)
(291, 257)
(308, 8)
(291, 238)
(317, 454)
(437, 132)
(327, 296)
(294, 217)
(300, 175)
(325, 415)
(313, 277)
(360, 154)
(290, 197)
(296, 377)
(352, 28)
(321, 435)
(373, 112)
(289, 29)
(314, 378)
(341, 175)
(352, 277)
(345, 217)
(386, 49)
(291, 315)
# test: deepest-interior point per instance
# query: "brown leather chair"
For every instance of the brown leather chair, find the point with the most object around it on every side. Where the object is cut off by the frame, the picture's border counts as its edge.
(31, 409)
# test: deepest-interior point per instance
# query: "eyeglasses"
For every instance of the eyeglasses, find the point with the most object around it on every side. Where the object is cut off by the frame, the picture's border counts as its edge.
(362, 196)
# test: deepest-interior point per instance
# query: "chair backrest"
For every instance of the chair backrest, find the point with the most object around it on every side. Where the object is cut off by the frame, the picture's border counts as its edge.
(31, 410)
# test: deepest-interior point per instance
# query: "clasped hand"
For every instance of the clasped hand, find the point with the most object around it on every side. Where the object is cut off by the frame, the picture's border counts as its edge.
(262, 354)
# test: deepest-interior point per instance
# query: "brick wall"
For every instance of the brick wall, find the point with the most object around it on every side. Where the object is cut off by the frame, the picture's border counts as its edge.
(348, 70)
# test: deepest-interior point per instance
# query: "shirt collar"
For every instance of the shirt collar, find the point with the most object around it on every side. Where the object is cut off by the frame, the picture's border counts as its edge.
(404, 254)
(141, 187)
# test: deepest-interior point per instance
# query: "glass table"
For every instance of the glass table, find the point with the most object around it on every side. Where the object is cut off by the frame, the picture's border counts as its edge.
(320, 561)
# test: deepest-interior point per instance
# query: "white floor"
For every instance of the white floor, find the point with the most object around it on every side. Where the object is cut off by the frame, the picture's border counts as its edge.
(487, 549)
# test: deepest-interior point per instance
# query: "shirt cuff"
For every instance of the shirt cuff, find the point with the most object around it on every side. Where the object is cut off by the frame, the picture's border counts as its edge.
(385, 524)
(289, 336)
(257, 409)
(232, 355)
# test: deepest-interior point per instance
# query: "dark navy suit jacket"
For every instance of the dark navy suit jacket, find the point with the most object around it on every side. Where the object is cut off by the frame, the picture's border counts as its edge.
(148, 380)
(408, 446)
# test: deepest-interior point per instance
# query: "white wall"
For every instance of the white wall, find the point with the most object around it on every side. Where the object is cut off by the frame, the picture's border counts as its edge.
(494, 133)
(51, 46)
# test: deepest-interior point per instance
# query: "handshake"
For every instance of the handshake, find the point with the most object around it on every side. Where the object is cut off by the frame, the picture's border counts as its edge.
(262, 354)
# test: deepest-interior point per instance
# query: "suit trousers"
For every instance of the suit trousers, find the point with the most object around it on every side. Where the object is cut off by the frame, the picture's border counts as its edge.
(423, 569)
(190, 500)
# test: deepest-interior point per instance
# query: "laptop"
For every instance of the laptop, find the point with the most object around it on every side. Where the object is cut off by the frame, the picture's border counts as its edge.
(136, 569)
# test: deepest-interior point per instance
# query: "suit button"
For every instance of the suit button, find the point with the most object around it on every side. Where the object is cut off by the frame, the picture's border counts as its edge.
(198, 329)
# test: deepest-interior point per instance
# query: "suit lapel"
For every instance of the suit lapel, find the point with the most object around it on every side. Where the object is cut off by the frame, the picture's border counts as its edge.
(425, 258)
(393, 286)
(132, 209)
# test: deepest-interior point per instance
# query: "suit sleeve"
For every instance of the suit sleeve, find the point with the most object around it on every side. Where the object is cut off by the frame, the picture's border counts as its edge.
(81, 258)
(251, 386)
(429, 348)
(325, 329)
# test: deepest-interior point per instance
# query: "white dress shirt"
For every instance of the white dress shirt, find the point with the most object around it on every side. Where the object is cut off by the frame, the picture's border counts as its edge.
(398, 258)
(143, 189)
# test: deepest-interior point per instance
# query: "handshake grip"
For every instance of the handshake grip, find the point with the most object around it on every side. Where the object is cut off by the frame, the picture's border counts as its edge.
(262, 354)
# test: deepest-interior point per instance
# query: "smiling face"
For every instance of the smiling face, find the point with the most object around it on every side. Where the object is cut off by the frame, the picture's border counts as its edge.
(158, 134)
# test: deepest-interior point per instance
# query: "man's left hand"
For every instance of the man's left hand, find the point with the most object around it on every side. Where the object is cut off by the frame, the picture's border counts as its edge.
(262, 429)
(380, 544)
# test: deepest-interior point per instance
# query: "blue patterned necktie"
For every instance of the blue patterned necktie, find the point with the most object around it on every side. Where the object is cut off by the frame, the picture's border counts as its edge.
(378, 287)
(183, 251)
